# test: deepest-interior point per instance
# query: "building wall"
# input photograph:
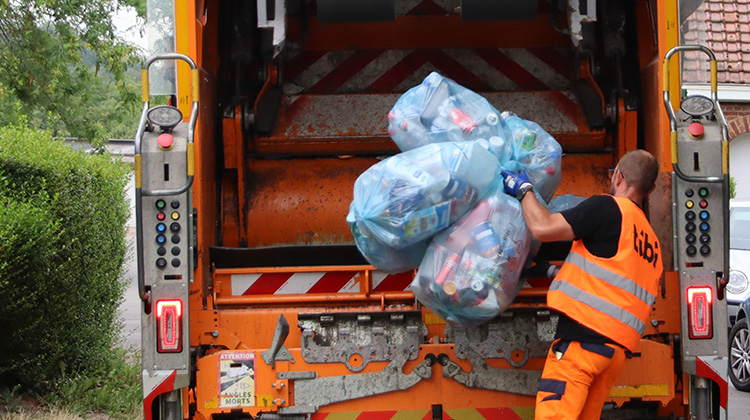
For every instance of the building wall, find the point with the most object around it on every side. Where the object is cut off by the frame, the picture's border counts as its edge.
(738, 122)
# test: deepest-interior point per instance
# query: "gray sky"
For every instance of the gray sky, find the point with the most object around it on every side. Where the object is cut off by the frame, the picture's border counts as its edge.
(128, 27)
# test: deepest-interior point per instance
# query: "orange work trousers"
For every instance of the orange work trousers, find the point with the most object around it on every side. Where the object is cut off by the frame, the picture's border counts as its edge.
(576, 380)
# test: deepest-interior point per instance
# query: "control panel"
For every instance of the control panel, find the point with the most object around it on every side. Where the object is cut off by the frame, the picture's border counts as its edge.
(700, 188)
(164, 170)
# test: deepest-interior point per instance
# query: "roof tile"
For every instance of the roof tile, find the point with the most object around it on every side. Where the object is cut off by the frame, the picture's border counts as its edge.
(723, 26)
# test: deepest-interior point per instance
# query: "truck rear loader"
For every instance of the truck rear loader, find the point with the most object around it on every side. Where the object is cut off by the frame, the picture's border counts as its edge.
(257, 304)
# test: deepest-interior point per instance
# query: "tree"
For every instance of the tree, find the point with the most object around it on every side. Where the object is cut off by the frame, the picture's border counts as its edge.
(43, 73)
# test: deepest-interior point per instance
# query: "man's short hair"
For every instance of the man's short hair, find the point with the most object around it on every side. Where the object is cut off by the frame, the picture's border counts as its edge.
(639, 168)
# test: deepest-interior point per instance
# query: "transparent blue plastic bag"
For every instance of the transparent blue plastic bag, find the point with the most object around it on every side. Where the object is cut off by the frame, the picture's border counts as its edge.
(535, 151)
(382, 256)
(471, 271)
(440, 110)
(411, 196)
(564, 202)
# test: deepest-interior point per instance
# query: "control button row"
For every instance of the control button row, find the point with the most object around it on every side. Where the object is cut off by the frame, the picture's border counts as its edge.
(161, 229)
(702, 192)
(162, 262)
(703, 216)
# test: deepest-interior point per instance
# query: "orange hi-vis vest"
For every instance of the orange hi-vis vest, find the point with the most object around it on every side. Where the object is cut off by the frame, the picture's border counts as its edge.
(612, 296)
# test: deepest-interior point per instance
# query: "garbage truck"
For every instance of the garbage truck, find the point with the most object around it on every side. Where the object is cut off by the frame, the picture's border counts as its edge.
(256, 302)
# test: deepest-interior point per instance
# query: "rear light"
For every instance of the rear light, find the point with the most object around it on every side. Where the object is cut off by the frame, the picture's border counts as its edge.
(169, 326)
(700, 309)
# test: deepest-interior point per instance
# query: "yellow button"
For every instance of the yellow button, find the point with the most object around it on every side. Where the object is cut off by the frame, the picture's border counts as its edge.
(176, 215)
(689, 204)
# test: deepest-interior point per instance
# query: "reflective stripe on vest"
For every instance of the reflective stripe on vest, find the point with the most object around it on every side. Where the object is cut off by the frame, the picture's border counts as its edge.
(614, 279)
(600, 304)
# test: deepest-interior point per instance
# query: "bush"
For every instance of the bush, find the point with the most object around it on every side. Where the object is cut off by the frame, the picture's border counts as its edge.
(62, 246)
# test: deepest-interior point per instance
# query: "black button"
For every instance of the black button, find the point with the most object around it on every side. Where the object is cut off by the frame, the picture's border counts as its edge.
(161, 251)
(175, 262)
(174, 227)
(176, 250)
(689, 192)
(175, 239)
(705, 238)
(175, 204)
(690, 238)
(690, 251)
(705, 250)
(161, 263)
(690, 227)
(690, 216)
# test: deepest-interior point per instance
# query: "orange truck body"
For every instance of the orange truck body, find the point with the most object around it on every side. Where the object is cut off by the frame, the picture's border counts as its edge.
(279, 297)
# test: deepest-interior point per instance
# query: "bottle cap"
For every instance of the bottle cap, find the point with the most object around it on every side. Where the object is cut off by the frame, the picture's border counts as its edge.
(450, 288)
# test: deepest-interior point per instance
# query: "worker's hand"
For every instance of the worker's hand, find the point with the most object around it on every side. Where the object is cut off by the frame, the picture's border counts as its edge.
(516, 185)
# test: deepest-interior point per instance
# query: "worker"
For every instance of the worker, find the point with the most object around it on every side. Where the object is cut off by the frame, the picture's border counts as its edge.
(603, 291)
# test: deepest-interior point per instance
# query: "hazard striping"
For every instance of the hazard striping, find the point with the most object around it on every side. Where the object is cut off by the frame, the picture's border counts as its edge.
(498, 413)
(395, 71)
(315, 282)
(382, 282)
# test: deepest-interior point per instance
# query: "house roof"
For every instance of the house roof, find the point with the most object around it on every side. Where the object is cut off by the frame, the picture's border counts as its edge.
(724, 27)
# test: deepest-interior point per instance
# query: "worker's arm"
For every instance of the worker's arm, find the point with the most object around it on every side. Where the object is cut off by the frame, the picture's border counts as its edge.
(545, 226)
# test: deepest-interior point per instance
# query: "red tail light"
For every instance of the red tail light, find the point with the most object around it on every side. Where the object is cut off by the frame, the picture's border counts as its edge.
(169, 326)
(700, 309)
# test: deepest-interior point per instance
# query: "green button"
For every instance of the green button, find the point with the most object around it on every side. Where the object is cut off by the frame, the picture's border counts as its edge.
(703, 192)
(161, 204)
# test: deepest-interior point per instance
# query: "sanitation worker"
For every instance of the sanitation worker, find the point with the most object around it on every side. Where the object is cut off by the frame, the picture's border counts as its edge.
(604, 290)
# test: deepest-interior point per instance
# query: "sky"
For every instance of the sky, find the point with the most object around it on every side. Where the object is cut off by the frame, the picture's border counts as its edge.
(128, 27)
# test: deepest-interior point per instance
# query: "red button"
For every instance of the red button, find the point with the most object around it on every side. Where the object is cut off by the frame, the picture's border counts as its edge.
(165, 141)
(704, 204)
(696, 130)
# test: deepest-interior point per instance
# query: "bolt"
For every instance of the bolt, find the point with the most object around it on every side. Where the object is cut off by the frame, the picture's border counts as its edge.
(273, 385)
(307, 353)
(215, 333)
(282, 385)
(654, 322)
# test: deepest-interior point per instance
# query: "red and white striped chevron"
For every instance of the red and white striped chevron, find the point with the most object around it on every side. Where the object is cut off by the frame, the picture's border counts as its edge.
(315, 282)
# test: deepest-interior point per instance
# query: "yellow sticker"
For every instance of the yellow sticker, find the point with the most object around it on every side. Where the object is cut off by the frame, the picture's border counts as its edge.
(236, 379)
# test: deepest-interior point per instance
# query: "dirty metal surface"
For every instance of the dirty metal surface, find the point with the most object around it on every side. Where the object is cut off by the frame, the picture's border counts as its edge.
(355, 339)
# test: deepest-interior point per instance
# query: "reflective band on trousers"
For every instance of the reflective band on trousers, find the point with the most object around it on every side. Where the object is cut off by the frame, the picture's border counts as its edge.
(614, 279)
(600, 304)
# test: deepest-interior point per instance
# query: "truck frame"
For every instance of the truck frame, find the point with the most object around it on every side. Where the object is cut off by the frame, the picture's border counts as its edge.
(256, 303)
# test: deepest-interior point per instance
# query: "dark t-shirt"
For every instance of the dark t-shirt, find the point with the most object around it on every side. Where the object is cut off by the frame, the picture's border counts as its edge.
(597, 221)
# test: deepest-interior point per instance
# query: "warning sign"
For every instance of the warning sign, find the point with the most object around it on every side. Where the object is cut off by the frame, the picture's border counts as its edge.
(236, 379)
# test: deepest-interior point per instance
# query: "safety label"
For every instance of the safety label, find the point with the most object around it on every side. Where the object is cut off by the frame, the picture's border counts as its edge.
(236, 379)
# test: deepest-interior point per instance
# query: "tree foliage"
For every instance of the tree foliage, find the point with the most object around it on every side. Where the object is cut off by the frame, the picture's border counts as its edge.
(64, 68)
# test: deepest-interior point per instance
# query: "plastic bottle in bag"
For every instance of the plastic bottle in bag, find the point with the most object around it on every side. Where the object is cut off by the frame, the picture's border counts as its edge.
(464, 163)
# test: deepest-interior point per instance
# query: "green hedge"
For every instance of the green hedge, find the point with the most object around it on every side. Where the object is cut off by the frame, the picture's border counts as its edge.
(62, 248)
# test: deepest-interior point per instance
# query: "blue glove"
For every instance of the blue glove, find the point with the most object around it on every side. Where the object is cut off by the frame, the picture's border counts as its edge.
(516, 185)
